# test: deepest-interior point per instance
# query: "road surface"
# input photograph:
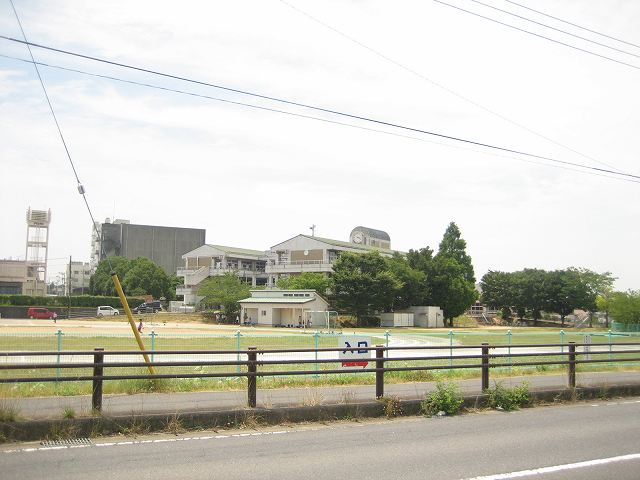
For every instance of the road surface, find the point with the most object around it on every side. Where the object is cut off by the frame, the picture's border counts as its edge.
(596, 440)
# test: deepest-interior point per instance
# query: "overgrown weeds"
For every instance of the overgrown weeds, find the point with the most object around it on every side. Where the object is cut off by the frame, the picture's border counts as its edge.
(392, 406)
(503, 398)
(446, 398)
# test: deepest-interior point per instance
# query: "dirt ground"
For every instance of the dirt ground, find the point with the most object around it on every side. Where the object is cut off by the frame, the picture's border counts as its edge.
(159, 322)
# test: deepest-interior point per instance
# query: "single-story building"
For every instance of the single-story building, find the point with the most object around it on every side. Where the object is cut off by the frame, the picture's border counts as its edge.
(416, 316)
(281, 308)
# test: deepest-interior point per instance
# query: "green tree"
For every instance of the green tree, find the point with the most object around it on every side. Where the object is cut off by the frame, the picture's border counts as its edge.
(362, 285)
(145, 277)
(499, 291)
(224, 291)
(305, 281)
(625, 307)
(414, 288)
(101, 283)
(451, 278)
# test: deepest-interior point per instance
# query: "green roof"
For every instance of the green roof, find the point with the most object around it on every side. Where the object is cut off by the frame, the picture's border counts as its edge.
(277, 300)
(239, 251)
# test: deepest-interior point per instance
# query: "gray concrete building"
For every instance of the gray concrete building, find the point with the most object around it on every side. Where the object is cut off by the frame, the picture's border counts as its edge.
(163, 245)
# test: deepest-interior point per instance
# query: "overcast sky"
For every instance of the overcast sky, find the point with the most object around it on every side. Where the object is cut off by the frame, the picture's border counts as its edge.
(254, 178)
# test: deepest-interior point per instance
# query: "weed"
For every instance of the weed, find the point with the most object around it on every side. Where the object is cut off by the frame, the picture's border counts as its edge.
(251, 421)
(136, 427)
(603, 393)
(446, 398)
(312, 398)
(174, 425)
(348, 397)
(62, 431)
(508, 399)
(8, 412)
(68, 412)
(392, 406)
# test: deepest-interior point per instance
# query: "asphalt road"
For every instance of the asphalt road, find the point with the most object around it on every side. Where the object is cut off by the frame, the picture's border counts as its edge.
(597, 440)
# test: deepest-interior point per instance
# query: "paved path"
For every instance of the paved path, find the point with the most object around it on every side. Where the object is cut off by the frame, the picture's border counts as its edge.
(53, 407)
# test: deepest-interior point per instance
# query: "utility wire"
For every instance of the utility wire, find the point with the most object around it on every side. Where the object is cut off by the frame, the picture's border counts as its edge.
(79, 185)
(443, 87)
(573, 24)
(310, 117)
(537, 35)
(554, 28)
(325, 110)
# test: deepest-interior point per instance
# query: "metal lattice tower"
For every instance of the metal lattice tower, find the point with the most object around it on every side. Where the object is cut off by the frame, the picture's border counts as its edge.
(37, 246)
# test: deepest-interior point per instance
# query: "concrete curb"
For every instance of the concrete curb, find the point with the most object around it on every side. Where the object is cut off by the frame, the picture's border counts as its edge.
(138, 424)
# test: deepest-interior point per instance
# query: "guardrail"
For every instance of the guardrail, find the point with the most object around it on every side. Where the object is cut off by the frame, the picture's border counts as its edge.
(483, 361)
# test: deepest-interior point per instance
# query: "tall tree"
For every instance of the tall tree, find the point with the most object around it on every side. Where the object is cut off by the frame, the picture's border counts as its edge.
(224, 291)
(362, 285)
(100, 282)
(414, 288)
(452, 279)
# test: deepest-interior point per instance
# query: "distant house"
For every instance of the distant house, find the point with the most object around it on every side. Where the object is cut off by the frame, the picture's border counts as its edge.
(281, 308)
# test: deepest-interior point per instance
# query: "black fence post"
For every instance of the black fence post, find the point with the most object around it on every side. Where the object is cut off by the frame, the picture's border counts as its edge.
(251, 379)
(379, 373)
(485, 366)
(96, 395)
(572, 364)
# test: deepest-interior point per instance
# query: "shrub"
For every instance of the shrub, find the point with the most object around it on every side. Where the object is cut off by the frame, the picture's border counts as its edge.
(446, 398)
(508, 398)
(392, 406)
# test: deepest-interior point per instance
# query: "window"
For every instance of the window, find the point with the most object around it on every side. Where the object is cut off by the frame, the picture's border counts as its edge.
(264, 313)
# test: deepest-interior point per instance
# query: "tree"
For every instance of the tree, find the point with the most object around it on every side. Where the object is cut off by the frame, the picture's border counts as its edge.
(145, 277)
(414, 288)
(499, 291)
(625, 307)
(305, 281)
(224, 291)
(101, 283)
(451, 278)
(362, 285)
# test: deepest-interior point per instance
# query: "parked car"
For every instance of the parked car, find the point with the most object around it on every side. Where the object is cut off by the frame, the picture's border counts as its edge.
(39, 312)
(106, 311)
(148, 307)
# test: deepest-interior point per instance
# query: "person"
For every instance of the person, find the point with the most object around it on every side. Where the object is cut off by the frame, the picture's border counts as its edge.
(140, 326)
(55, 317)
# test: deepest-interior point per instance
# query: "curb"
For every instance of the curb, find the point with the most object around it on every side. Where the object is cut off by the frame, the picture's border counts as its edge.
(139, 424)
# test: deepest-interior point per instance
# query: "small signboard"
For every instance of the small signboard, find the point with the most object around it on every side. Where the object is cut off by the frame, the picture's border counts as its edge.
(356, 352)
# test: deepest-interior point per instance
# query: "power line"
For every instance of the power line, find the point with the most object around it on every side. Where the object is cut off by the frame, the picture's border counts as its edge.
(443, 87)
(554, 28)
(80, 187)
(310, 117)
(537, 35)
(573, 24)
(325, 110)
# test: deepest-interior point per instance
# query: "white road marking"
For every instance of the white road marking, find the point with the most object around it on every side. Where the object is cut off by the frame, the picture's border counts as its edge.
(558, 468)
(140, 442)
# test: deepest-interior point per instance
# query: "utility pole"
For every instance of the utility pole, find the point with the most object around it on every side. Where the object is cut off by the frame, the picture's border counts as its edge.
(69, 287)
(313, 230)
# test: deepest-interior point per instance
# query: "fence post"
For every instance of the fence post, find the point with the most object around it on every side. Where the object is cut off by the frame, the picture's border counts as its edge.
(96, 396)
(450, 348)
(238, 350)
(380, 351)
(572, 364)
(153, 345)
(251, 379)
(387, 334)
(509, 343)
(316, 336)
(59, 335)
(485, 366)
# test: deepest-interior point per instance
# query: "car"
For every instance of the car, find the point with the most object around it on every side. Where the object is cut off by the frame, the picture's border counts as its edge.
(107, 311)
(39, 312)
(148, 307)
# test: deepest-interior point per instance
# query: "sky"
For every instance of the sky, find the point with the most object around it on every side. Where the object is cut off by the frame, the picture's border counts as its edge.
(254, 178)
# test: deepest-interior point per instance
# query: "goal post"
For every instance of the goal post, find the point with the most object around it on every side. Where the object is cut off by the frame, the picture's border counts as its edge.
(322, 319)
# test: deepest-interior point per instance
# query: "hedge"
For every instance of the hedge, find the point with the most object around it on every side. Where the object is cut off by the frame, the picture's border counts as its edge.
(75, 301)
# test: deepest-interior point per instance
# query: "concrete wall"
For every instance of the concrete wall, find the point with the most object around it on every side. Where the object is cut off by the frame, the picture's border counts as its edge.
(163, 245)
(397, 320)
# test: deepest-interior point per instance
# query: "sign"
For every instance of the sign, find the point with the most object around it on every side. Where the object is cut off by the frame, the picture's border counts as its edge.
(356, 352)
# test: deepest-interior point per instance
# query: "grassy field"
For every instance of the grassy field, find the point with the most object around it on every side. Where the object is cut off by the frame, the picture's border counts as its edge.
(178, 334)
